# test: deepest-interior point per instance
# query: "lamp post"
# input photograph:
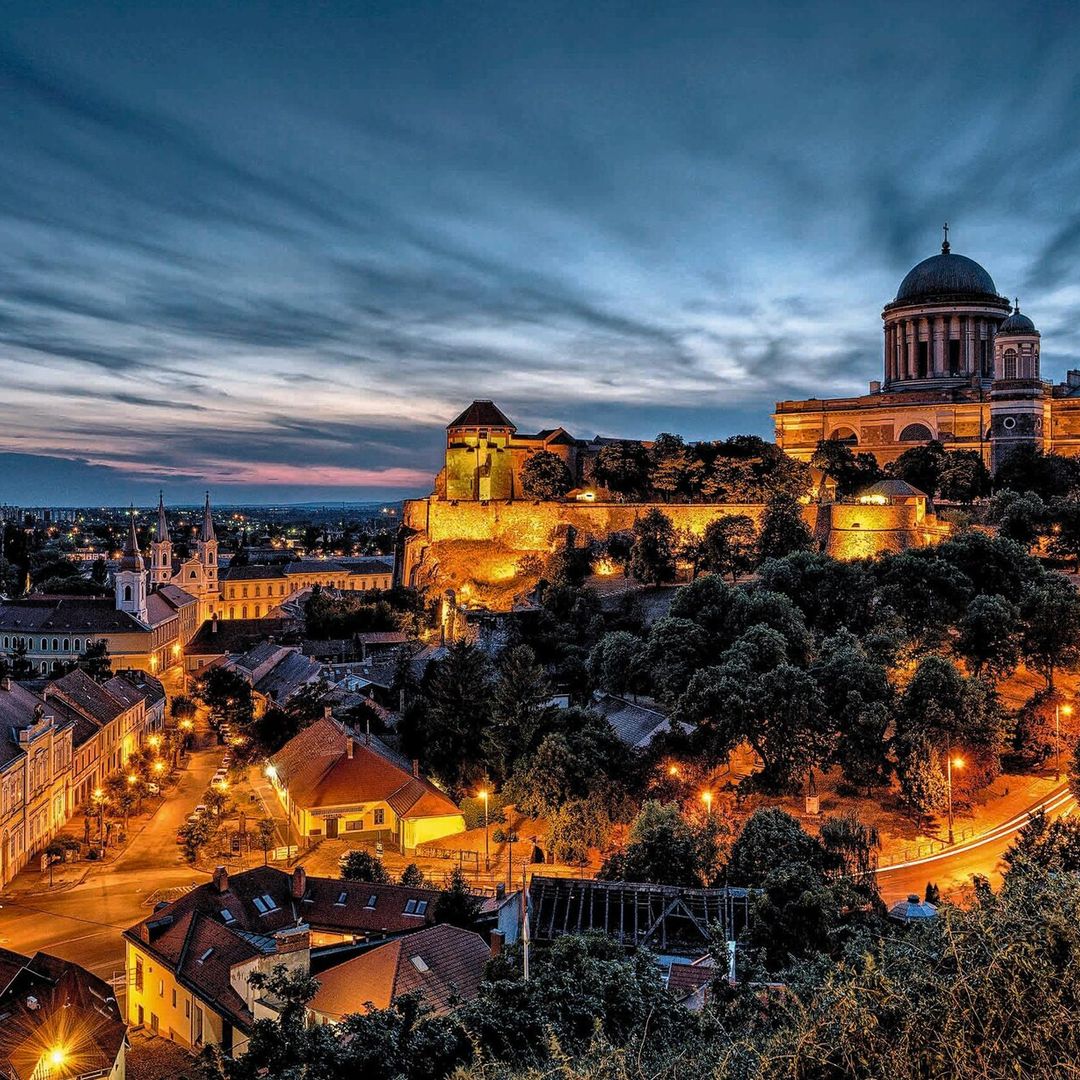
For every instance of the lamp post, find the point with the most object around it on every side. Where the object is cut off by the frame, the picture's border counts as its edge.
(99, 798)
(487, 853)
(950, 763)
(1058, 710)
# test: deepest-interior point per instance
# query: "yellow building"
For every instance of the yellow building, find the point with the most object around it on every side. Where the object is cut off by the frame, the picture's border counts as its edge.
(255, 592)
(35, 776)
(189, 963)
(331, 784)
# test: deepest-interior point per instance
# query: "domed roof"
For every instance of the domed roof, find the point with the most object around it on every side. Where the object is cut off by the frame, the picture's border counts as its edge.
(946, 275)
(1017, 323)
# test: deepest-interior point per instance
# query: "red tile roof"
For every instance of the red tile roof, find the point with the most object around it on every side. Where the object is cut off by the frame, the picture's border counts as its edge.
(316, 768)
(445, 964)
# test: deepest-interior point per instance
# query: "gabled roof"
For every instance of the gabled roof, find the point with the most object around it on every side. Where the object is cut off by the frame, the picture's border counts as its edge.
(43, 995)
(291, 672)
(443, 963)
(633, 724)
(81, 692)
(66, 614)
(123, 691)
(316, 768)
(232, 635)
(482, 413)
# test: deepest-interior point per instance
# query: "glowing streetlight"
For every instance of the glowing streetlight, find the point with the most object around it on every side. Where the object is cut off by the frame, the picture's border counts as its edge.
(57, 1056)
(271, 772)
(673, 770)
(1058, 710)
(706, 798)
(487, 855)
(953, 763)
(132, 780)
(154, 741)
(159, 767)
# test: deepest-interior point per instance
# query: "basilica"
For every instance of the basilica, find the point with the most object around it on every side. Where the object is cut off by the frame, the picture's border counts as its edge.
(961, 365)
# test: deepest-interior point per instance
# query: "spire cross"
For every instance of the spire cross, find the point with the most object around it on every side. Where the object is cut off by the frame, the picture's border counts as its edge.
(945, 244)
(1016, 303)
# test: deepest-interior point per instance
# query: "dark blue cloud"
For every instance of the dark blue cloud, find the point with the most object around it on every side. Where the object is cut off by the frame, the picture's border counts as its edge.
(271, 242)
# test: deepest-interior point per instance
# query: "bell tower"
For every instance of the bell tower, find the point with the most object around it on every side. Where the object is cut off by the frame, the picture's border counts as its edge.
(208, 554)
(1019, 405)
(129, 582)
(161, 549)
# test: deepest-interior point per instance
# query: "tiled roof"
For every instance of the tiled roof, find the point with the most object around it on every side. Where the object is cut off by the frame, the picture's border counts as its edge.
(66, 614)
(293, 671)
(47, 994)
(369, 566)
(124, 692)
(80, 691)
(176, 596)
(318, 772)
(633, 725)
(482, 413)
(254, 573)
(232, 635)
(443, 963)
(685, 980)
(150, 687)
(382, 637)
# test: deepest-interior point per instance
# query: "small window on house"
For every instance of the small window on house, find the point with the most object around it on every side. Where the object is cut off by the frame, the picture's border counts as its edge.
(227, 916)
(380, 817)
(340, 901)
(371, 902)
(260, 907)
(269, 901)
(415, 907)
(419, 963)
(206, 955)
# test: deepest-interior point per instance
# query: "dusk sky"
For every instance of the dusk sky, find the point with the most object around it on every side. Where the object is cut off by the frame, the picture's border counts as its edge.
(272, 248)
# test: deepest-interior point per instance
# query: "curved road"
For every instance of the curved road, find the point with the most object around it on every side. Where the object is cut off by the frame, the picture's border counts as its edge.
(980, 855)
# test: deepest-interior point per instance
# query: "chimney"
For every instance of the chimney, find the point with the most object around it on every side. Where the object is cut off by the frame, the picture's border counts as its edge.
(328, 712)
(293, 939)
(416, 766)
(500, 890)
(221, 879)
(299, 883)
(213, 623)
(348, 749)
(5, 683)
(498, 939)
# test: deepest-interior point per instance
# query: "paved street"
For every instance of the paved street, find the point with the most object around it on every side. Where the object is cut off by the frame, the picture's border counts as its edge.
(84, 923)
(981, 855)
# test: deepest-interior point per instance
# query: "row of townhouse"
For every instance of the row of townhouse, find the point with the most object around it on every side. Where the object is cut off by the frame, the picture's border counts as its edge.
(59, 740)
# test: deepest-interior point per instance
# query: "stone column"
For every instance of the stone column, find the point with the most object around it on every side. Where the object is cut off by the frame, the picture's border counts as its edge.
(967, 347)
(938, 330)
(912, 335)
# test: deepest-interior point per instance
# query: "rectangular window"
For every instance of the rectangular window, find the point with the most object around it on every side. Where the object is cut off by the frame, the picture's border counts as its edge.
(380, 817)
(161, 988)
(355, 826)
(174, 997)
(138, 974)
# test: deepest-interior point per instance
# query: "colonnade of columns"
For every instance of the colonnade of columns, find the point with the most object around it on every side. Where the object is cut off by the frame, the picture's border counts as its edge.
(904, 335)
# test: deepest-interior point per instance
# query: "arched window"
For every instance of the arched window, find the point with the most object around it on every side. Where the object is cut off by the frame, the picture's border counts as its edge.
(67, 645)
(258, 590)
(243, 612)
(44, 644)
(1010, 363)
(232, 611)
(55, 644)
(916, 433)
(78, 645)
(845, 435)
(258, 610)
(127, 593)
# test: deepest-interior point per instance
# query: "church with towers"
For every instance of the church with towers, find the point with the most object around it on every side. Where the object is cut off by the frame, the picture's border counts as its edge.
(961, 365)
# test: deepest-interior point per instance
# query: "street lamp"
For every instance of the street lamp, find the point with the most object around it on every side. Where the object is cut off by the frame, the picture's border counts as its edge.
(487, 855)
(952, 763)
(706, 798)
(1058, 710)
(99, 798)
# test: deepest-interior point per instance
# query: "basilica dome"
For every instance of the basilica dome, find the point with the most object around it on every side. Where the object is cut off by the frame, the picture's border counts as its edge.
(945, 276)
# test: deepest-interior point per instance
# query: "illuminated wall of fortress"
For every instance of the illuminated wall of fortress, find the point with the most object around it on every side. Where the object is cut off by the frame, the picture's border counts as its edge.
(509, 529)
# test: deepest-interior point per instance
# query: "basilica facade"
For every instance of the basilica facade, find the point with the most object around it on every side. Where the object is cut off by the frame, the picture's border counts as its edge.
(961, 365)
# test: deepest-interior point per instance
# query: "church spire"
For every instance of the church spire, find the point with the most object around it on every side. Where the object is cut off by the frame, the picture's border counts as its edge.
(945, 242)
(132, 559)
(162, 524)
(207, 532)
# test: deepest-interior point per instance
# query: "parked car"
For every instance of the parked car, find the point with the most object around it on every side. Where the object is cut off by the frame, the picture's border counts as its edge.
(199, 811)
(153, 788)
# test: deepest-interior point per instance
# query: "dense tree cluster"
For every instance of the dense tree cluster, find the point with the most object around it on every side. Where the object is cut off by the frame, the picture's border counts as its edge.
(742, 469)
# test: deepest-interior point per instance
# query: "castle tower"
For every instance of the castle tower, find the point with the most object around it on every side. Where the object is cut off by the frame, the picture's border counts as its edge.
(208, 554)
(129, 582)
(161, 549)
(1019, 405)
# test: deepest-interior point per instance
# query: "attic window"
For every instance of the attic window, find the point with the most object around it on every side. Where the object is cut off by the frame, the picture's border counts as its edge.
(264, 904)
(415, 907)
(372, 901)
(419, 963)
(206, 955)
(227, 916)
(340, 901)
